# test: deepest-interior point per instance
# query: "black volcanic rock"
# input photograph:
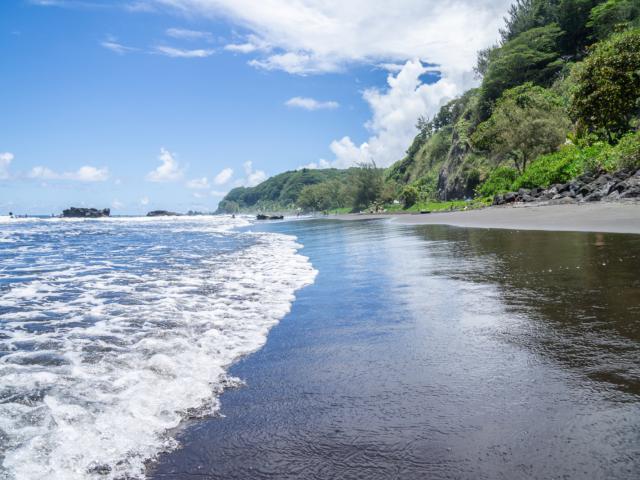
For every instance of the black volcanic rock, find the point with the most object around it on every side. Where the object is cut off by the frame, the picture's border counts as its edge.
(162, 213)
(75, 212)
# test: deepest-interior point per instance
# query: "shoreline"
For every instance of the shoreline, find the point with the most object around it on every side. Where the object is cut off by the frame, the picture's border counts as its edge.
(593, 217)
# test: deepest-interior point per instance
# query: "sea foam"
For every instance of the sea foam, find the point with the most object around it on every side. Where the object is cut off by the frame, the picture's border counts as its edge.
(114, 331)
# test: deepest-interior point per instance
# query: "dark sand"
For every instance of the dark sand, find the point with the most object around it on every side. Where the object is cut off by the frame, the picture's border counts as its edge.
(592, 217)
(433, 352)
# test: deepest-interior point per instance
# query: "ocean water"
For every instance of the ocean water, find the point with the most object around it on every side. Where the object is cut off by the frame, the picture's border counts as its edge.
(114, 331)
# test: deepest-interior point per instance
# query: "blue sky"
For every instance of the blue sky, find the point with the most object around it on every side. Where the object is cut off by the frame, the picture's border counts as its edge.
(145, 104)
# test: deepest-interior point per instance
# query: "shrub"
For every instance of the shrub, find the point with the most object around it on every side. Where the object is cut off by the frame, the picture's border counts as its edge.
(613, 15)
(528, 121)
(605, 99)
(499, 181)
(627, 153)
(409, 196)
(560, 167)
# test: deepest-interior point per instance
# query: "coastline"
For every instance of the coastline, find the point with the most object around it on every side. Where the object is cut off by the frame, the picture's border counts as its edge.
(434, 352)
(601, 217)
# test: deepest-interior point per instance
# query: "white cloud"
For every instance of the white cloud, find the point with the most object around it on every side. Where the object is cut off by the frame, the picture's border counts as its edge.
(185, 34)
(223, 177)
(251, 44)
(300, 63)
(183, 53)
(169, 169)
(394, 114)
(315, 165)
(317, 36)
(198, 183)
(252, 177)
(5, 161)
(311, 104)
(111, 43)
(216, 193)
(117, 205)
(144, 201)
(324, 35)
(86, 173)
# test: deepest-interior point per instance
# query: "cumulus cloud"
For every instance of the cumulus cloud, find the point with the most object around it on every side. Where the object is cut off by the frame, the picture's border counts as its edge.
(394, 114)
(185, 34)
(5, 161)
(183, 53)
(223, 177)
(86, 173)
(198, 183)
(311, 104)
(169, 169)
(252, 177)
(318, 36)
(311, 36)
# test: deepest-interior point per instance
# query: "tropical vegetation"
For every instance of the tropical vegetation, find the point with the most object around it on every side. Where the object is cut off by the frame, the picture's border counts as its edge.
(558, 96)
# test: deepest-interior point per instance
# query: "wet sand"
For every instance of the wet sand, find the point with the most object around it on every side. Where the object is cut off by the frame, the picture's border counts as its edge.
(431, 352)
(594, 217)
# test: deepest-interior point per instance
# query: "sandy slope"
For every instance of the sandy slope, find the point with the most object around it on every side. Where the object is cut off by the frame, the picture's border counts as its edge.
(593, 217)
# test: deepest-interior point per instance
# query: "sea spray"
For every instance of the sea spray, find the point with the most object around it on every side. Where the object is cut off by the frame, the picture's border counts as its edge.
(112, 331)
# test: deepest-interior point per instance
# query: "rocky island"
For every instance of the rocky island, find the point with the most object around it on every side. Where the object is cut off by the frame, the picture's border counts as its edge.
(75, 212)
(162, 213)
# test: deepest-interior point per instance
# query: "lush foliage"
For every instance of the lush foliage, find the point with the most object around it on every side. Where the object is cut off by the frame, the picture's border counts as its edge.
(367, 183)
(605, 100)
(324, 196)
(613, 15)
(409, 196)
(558, 167)
(532, 56)
(280, 192)
(560, 95)
(528, 121)
(567, 163)
(499, 181)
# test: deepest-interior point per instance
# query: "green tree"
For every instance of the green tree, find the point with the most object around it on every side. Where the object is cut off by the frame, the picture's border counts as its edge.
(607, 92)
(409, 196)
(322, 197)
(612, 16)
(573, 18)
(528, 121)
(532, 56)
(366, 184)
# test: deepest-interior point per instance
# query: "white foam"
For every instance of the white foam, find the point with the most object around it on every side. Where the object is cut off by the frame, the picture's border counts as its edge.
(134, 341)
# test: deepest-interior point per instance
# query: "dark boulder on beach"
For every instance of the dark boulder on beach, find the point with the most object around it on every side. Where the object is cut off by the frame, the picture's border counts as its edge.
(75, 212)
(269, 217)
(621, 185)
(162, 213)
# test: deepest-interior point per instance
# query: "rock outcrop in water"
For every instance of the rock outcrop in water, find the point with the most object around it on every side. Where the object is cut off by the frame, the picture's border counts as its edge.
(269, 217)
(75, 212)
(621, 185)
(162, 213)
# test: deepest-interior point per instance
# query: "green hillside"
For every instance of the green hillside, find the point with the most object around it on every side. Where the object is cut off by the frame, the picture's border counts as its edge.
(280, 192)
(564, 81)
(559, 96)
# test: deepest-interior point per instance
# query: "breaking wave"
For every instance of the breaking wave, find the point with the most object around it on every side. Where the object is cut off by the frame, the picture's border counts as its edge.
(113, 331)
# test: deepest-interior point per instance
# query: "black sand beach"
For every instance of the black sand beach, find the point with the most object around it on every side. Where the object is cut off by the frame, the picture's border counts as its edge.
(613, 217)
(438, 352)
